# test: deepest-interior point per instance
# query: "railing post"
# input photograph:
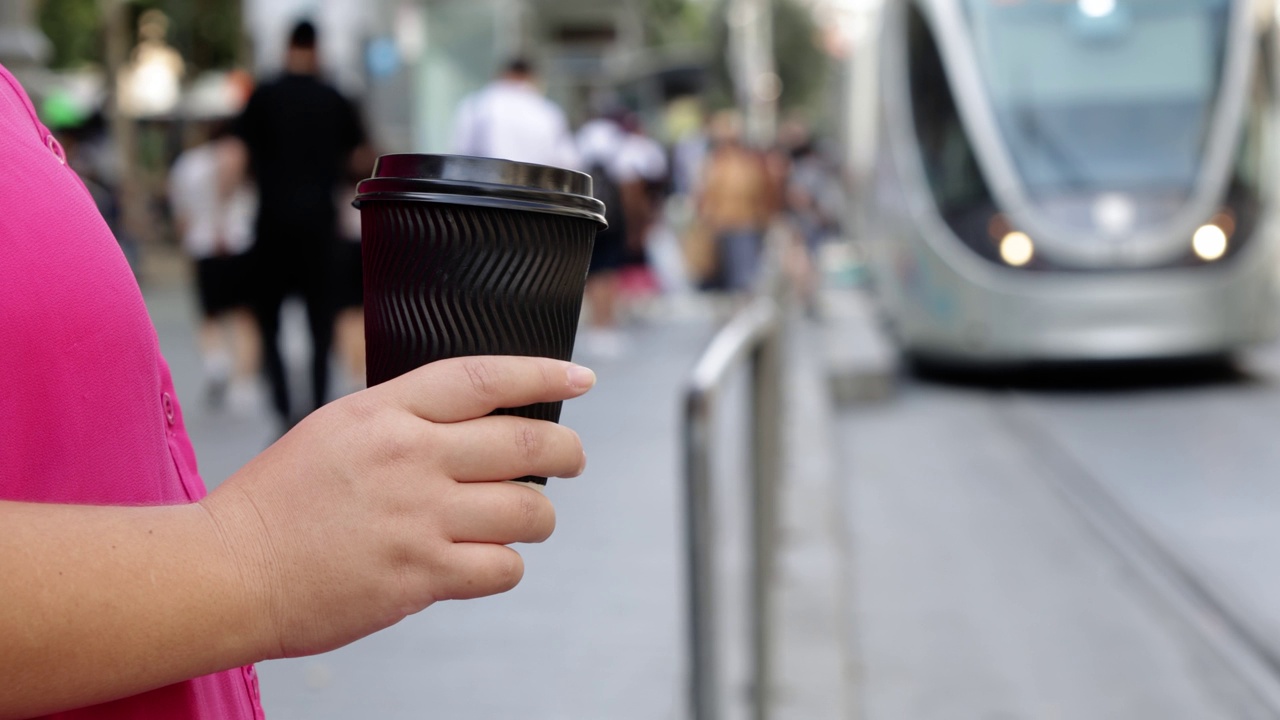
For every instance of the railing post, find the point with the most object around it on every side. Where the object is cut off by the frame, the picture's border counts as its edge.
(704, 680)
(754, 335)
(766, 451)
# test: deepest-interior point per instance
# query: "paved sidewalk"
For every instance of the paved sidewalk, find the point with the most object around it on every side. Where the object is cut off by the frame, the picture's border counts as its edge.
(596, 630)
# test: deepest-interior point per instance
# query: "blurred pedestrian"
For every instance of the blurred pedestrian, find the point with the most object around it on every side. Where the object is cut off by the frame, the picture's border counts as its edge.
(511, 119)
(736, 203)
(664, 268)
(129, 593)
(617, 185)
(646, 158)
(697, 256)
(688, 158)
(300, 134)
(813, 200)
(215, 224)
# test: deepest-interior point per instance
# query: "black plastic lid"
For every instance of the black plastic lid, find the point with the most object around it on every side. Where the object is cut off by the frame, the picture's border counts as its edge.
(484, 182)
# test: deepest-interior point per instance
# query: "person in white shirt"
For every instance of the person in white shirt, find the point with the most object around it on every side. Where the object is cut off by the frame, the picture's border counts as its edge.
(655, 253)
(645, 159)
(615, 183)
(623, 162)
(216, 231)
(510, 119)
(646, 156)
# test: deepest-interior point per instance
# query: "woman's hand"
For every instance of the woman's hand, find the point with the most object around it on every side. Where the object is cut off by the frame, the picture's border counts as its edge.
(386, 501)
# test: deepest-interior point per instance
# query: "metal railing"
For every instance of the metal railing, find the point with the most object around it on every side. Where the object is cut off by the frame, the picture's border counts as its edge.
(753, 336)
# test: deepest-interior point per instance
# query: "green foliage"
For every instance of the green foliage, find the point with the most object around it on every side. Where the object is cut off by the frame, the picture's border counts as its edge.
(801, 64)
(206, 32)
(674, 22)
(74, 27)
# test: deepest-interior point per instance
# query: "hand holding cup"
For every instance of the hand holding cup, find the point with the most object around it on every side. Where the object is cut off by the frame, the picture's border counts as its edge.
(386, 501)
(473, 256)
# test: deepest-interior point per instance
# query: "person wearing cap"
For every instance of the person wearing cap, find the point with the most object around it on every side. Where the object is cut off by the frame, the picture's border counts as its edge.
(510, 119)
(127, 591)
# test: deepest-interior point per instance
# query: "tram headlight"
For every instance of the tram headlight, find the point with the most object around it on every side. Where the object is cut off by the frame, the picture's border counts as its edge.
(1096, 8)
(1016, 249)
(1209, 242)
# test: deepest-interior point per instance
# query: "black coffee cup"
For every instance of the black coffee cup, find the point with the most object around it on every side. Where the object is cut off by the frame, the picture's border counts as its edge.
(473, 256)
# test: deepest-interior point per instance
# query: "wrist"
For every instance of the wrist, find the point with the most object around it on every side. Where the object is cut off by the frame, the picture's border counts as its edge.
(242, 553)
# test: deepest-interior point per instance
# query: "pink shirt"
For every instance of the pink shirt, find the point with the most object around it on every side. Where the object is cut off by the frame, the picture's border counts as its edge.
(87, 408)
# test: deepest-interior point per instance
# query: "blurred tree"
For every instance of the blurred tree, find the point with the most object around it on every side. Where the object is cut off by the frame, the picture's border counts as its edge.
(800, 62)
(675, 22)
(206, 32)
(802, 65)
(74, 27)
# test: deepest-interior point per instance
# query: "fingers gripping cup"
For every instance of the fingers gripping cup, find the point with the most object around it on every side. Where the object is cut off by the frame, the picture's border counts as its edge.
(473, 256)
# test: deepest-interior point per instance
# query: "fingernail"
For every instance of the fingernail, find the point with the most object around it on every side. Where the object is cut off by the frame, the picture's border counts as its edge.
(583, 468)
(581, 378)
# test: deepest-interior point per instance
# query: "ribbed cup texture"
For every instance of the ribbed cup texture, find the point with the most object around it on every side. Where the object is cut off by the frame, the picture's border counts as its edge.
(445, 281)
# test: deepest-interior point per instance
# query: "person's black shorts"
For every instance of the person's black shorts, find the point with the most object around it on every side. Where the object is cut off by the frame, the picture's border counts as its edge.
(609, 251)
(223, 283)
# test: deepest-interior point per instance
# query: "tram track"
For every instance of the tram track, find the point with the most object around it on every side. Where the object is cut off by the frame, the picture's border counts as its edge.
(1210, 613)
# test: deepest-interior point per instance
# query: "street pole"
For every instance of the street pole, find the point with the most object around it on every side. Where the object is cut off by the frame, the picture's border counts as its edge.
(116, 16)
(754, 70)
(861, 68)
(758, 89)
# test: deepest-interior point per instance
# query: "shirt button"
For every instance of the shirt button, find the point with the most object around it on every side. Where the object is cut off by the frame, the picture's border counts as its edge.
(56, 148)
(167, 401)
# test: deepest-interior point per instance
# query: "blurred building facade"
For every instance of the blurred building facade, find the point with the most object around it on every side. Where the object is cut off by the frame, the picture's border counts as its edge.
(413, 61)
(21, 42)
(23, 48)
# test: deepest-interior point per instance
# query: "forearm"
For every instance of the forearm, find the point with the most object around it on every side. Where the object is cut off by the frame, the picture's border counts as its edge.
(99, 603)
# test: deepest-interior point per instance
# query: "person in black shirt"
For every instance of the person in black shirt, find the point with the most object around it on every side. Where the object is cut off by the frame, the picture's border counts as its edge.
(299, 136)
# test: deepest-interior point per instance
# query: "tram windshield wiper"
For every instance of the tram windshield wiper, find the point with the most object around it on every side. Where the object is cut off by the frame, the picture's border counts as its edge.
(1044, 144)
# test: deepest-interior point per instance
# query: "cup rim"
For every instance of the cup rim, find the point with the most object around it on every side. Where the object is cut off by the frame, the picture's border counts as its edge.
(481, 182)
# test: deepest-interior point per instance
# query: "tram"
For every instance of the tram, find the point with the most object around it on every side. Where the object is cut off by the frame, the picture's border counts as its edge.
(1074, 180)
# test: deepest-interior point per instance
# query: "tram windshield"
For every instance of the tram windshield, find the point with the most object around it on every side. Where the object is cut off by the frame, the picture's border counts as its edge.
(1102, 94)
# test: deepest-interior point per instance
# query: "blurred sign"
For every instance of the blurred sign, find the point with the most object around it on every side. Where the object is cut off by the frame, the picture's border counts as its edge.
(381, 58)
